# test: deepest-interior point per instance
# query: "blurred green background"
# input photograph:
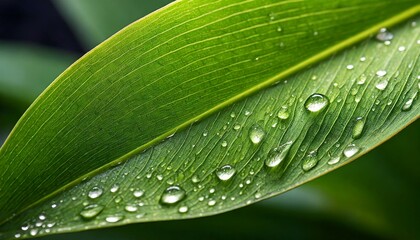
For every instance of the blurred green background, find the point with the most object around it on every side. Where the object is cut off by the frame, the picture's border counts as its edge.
(375, 197)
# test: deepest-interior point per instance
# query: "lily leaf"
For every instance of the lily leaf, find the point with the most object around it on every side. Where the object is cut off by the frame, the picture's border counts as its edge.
(139, 87)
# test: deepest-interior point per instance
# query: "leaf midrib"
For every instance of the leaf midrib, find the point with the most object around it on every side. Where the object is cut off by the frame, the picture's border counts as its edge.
(292, 70)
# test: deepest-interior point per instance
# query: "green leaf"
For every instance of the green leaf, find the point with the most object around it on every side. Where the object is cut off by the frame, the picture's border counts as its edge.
(95, 24)
(25, 71)
(97, 114)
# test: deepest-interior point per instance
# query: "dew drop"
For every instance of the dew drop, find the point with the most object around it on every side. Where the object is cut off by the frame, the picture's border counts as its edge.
(224, 144)
(237, 127)
(381, 85)
(172, 195)
(279, 29)
(350, 67)
(283, 114)
(351, 150)
(409, 102)
(33, 232)
(358, 127)
(138, 193)
(95, 192)
(362, 79)
(362, 59)
(401, 48)
(131, 208)
(25, 227)
(316, 102)
(278, 154)
(310, 161)
(383, 35)
(381, 73)
(211, 202)
(17, 235)
(114, 188)
(225, 172)
(333, 160)
(114, 218)
(91, 211)
(183, 209)
(42, 217)
(256, 134)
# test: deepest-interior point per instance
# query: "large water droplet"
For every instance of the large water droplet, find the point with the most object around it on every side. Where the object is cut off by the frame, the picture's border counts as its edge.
(409, 102)
(351, 150)
(138, 193)
(358, 128)
(310, 161)
(91, 211)
(278, 154)
(172, 195)
(256, 134)
(381, 85)
(333, 160)
(226, 172)
(316, 102)
(114, 218)
(95, 192)
(383, 35)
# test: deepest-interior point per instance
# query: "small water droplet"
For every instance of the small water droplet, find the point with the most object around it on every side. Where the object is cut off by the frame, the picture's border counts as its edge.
(54, 205)
(172, 195)
(247, 113)
(183, 209)
(95, 192)
(42, 217)
(114, 188)
(381, 73)
(114, 218)
(383, 35)
(17, 235)
(310, 161)
(256, 134)
(358, 127)
(91, 211)
(232, 114)
(131, 208)
(237, 127)
(350, 67)
(362, 59)
(138, 193)
(408, 104)
(333, 160)
(381, 85)
(283, 114)
(278, 154)
(362, 79)
(279, 29)
(25, 226)
(316, 102)
(224, 144)
(225, 172)
(33, 232)
(401, 48)
(351, 150)
(211, 202)
(195, 179)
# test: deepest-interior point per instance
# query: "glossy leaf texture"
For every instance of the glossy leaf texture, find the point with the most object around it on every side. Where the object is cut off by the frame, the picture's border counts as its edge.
(164, 72)
(310, 124)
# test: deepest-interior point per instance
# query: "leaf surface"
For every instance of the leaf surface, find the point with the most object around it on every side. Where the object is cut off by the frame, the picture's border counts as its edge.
(375, 81)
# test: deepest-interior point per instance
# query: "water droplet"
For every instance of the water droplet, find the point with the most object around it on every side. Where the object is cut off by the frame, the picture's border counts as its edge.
(362, 79)
(114, 218)
(211, 202)
(381, 73)
(114, 188)
(256, 134)
(316, 102)
(25, 226)
(224, 144)
(183, 209)
(279, 29)
(358, 127)
(42, 217)
(278, 154)
(95, 192)
(283, 114)
(401, 48)
(409, 102)
(383, 35)
(237, 127)
(310, 161)
(349, 67)
(91, 211)
(33, 232)
(333, 161)
(17, 235)
(232, 114)
(138, 193)
(195, 179)
(172, 195)
(351, 150)
(131, 208)
(225, 172)
(381, 85)
(53, 205)
(362, 59)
